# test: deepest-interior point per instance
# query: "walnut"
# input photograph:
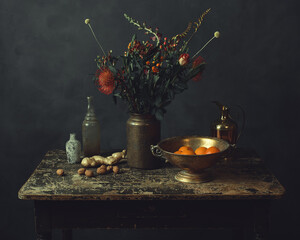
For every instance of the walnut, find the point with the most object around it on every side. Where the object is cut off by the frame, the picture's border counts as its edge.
(89, 173)
(116, 169)
(81, 171)
(60, 172)
(101, 170)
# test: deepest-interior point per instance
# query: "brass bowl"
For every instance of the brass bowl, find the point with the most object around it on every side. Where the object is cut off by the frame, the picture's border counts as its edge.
(194, 166)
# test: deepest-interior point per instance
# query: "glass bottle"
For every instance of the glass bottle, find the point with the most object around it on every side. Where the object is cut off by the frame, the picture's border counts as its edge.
(90, 131)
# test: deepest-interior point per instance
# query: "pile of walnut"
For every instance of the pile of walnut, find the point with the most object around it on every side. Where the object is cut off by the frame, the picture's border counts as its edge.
(103, 169)
(105, 164)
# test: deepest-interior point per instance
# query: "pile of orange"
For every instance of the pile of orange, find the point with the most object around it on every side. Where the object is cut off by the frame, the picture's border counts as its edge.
(186, 150)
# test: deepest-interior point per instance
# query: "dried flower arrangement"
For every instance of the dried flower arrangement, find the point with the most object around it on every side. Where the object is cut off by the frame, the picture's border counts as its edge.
(150, 73)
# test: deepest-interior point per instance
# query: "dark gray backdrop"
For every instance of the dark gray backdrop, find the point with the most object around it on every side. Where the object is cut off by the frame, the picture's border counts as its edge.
(46, 58)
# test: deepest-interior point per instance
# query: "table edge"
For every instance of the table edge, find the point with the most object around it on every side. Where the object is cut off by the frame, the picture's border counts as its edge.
(146, 197)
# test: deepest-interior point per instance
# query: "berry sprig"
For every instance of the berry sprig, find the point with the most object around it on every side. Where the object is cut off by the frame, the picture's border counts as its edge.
(182, 35)
(197, 25)
(200, 20)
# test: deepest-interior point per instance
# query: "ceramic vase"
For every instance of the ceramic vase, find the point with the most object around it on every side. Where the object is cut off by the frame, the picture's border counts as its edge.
(143, 130)
(73, 149)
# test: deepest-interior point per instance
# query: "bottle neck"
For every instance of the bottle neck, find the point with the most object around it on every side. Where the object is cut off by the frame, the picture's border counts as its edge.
(72, 136)
(90, 107)
(90, 115)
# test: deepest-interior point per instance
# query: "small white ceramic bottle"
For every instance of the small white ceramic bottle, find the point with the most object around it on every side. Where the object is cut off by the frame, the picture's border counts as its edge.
(73, 149)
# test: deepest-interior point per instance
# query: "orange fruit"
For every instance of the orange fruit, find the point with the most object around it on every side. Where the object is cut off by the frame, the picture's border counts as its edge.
(187, 152)
(183, 148)
(201, 150)
(178, 152)
(212, 150)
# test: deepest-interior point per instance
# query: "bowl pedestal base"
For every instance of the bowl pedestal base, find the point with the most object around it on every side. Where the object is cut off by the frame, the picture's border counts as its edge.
(186, 177)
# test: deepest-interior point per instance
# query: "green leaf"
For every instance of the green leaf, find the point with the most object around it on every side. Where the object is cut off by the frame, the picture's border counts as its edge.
(112, 69)
(133, 39)
(155, 78)
(159, 114)
(171, 94)
(166, 103)
(180, 85)
(117, 95)
(157, 101)
(193, 72)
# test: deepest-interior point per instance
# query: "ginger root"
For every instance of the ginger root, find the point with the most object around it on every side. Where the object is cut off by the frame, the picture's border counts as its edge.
(96, 160)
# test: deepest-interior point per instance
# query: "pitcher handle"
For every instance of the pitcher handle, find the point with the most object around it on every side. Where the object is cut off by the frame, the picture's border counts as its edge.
(243, 122)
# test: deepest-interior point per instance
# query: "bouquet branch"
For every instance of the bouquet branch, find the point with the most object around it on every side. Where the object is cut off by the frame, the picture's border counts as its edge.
(150, 73)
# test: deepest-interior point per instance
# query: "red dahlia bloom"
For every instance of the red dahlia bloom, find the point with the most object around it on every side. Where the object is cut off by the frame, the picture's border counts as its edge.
(105, 81)
(196, 63)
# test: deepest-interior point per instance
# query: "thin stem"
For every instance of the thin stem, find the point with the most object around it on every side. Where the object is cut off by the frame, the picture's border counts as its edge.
(190, 38)
(204, 46)
(157, 38)
(96, 38)
(148, 30)
(130, 98)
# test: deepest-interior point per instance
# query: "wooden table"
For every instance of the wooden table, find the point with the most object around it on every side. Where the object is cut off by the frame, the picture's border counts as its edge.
(238, 197)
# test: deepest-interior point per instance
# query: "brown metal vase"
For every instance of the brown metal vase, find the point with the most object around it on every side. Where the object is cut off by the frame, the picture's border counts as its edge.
(143, 130)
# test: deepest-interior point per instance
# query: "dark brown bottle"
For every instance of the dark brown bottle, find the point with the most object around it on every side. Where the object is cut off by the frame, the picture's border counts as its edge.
(225, 128)
(90, 132)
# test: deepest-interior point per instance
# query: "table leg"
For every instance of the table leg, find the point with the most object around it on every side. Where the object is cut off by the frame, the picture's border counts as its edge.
(67, 234)
(238, 233)
(261, 220)
(43, 235)
(42, 220)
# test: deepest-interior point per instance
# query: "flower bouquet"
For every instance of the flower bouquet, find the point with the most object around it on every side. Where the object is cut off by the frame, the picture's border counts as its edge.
(151, 72)
(148, 76)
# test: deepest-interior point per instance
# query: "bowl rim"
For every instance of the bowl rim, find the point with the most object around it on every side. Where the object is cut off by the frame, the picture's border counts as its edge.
(194, 136)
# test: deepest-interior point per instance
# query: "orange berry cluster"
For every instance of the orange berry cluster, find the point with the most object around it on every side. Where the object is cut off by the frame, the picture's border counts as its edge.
(138, 47)
(142, 48)
(155, 65)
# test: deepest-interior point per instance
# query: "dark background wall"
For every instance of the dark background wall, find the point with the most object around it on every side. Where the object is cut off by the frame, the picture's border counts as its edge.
(46, 58)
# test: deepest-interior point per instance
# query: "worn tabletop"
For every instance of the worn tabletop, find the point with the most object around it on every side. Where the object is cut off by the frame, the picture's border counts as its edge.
(244, 177)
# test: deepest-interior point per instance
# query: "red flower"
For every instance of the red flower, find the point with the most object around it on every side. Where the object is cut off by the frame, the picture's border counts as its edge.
(196, 63)
(183, 59)
(198, 77)
(105, 81)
